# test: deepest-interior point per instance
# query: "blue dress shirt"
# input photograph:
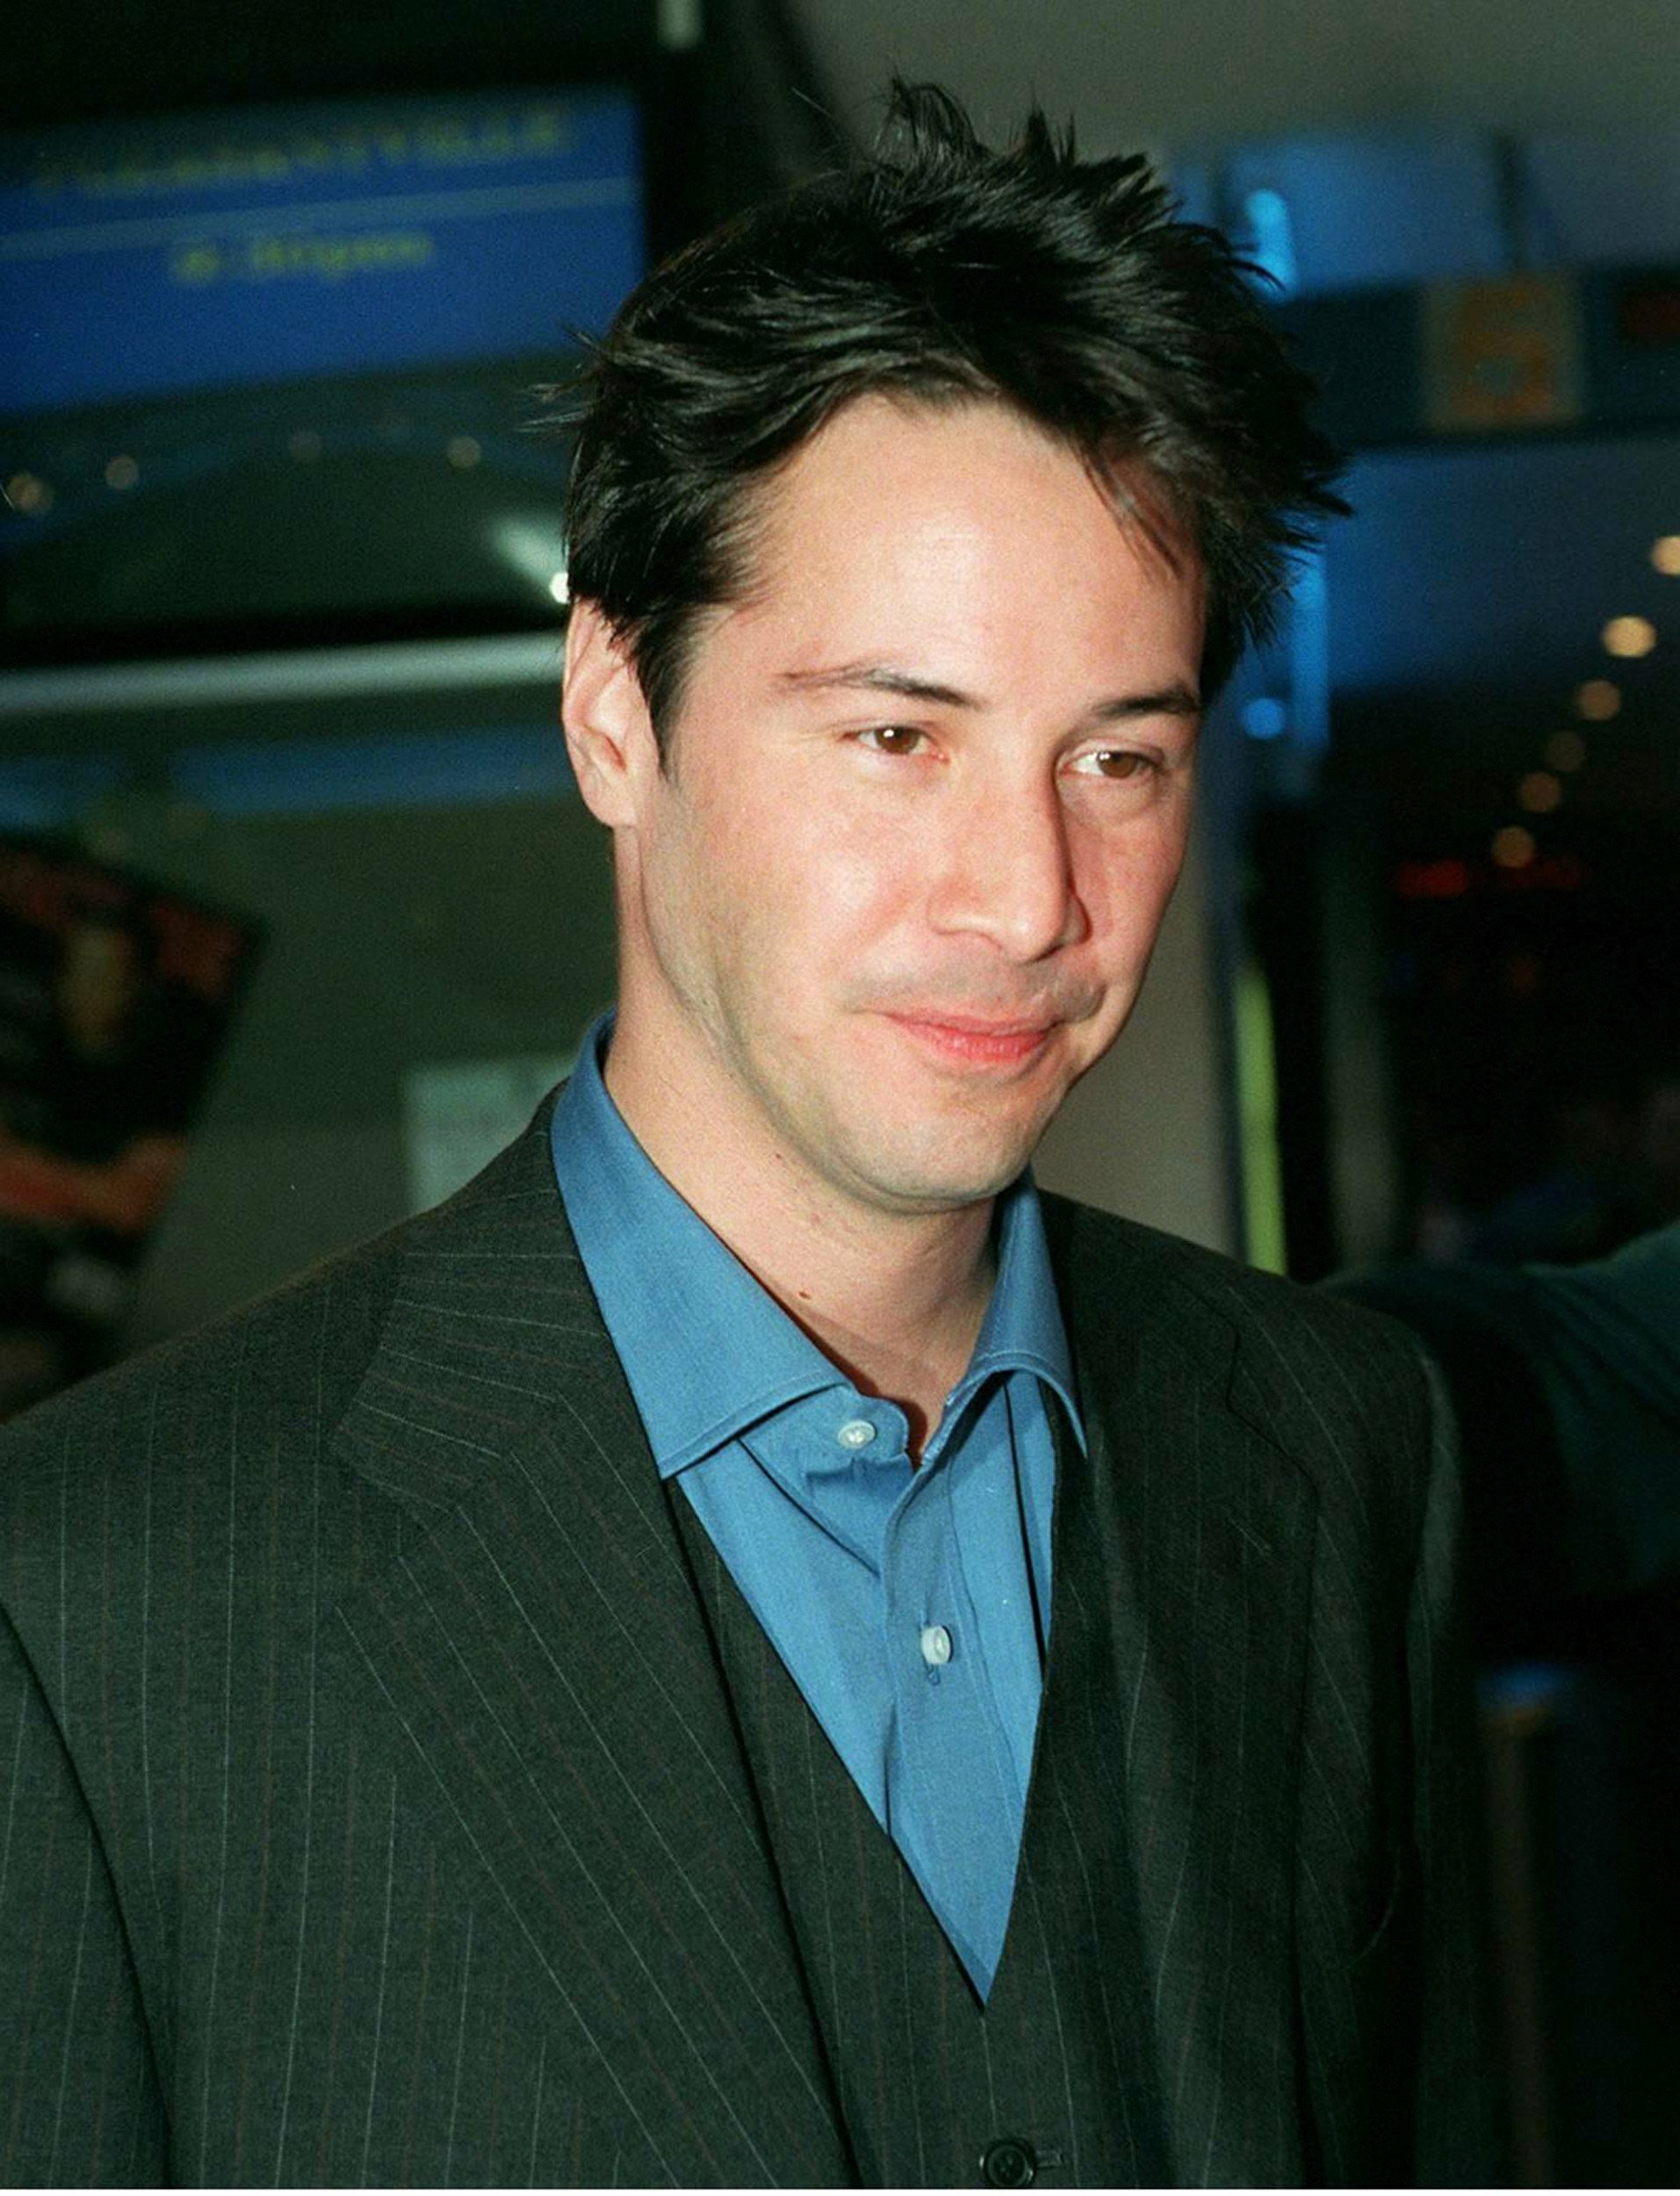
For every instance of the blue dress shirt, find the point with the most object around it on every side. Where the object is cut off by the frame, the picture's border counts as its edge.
(911, 1607)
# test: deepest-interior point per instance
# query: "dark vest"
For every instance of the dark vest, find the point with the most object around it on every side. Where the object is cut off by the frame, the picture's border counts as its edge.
(1054, 2080)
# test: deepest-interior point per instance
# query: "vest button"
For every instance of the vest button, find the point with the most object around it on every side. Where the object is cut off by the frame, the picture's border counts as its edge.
(1008, 2163)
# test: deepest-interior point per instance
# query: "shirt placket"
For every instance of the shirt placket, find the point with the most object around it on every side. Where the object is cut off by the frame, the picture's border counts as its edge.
(957, 1801)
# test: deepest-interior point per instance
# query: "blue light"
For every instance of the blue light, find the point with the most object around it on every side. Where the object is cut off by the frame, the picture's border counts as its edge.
(317, 778)
(1264, 718)
(1271, 241)
(47, 792)
(262, 245)
(1519, 1687)
(1309, 654)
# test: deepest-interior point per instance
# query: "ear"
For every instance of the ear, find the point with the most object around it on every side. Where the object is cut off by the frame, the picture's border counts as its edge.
(609, 733)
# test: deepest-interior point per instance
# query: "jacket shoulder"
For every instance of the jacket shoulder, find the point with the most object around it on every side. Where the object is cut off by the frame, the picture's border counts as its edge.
(1345, 1391)
(1091, 1240)
(322, 1318)
(279, 1372)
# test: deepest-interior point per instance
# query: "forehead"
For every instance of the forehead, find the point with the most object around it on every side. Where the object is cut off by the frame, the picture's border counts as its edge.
(945, 524)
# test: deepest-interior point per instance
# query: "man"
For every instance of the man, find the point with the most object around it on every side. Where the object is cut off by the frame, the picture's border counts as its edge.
(746, 1648)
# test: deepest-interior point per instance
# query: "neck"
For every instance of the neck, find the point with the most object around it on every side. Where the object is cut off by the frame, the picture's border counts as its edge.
(894, 1299)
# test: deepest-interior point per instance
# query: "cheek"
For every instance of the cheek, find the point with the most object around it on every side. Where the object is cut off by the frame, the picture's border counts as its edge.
(830, 881)
(1125, 893)
(759, 905)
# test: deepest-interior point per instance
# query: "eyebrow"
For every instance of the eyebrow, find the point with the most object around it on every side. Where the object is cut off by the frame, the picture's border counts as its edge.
(1176, 700)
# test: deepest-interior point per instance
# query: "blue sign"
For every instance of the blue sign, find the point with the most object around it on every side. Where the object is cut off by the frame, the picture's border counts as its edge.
(211, 251)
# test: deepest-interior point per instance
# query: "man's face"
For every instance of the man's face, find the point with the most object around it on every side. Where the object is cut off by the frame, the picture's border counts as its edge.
(927, 795)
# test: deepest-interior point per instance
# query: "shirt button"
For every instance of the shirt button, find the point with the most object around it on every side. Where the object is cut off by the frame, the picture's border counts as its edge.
(1008, 2163)
(855, 1433)
(935, 1645)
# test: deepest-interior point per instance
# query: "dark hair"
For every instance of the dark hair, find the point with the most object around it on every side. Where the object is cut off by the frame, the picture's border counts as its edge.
(937, 270)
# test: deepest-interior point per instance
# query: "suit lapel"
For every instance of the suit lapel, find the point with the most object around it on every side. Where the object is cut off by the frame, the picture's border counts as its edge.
(541, 1649)
(1183, 1586)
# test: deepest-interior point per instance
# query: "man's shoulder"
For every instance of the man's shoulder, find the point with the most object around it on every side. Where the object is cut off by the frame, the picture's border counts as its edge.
(284, 1366)
(1100, 1252)
(1344, 1391)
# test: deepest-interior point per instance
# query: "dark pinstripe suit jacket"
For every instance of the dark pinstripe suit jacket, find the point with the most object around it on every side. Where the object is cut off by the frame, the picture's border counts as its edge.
(371, 1809)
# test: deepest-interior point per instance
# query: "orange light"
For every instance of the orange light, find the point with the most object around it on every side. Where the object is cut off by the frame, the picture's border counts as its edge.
(1513, 847)
(1665, 556)
(1539, 792)
(29, 495)
(1598, 700)
(1629, 637)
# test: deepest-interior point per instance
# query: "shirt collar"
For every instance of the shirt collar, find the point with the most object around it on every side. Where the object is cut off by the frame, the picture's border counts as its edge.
(707, 1350)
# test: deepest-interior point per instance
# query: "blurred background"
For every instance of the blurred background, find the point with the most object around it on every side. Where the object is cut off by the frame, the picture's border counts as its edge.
(300, 914)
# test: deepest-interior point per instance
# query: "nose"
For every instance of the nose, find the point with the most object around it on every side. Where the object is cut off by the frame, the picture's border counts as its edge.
(1008, 873)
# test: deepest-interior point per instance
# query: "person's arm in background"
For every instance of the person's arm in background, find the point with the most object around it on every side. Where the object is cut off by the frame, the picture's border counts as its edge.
(1566, 1384)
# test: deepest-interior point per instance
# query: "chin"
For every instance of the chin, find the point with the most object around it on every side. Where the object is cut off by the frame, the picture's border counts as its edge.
(943, 1180)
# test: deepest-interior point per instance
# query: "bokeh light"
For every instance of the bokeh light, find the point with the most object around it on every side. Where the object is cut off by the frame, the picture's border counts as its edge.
(1598, 700)
(29, 495)
(1629, 637)
(1539, 792)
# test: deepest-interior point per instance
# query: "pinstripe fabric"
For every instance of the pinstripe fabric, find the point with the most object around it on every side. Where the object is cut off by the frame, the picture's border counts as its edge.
(1060, 2053)
(372, 1809)
(1394, 2079)
(1143, 2029)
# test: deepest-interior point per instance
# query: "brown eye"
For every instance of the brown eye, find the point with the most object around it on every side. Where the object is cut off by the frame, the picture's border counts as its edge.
(893, 739)
(1118, 763)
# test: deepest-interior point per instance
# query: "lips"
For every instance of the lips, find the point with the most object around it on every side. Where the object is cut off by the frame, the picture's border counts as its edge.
(972, 1040)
